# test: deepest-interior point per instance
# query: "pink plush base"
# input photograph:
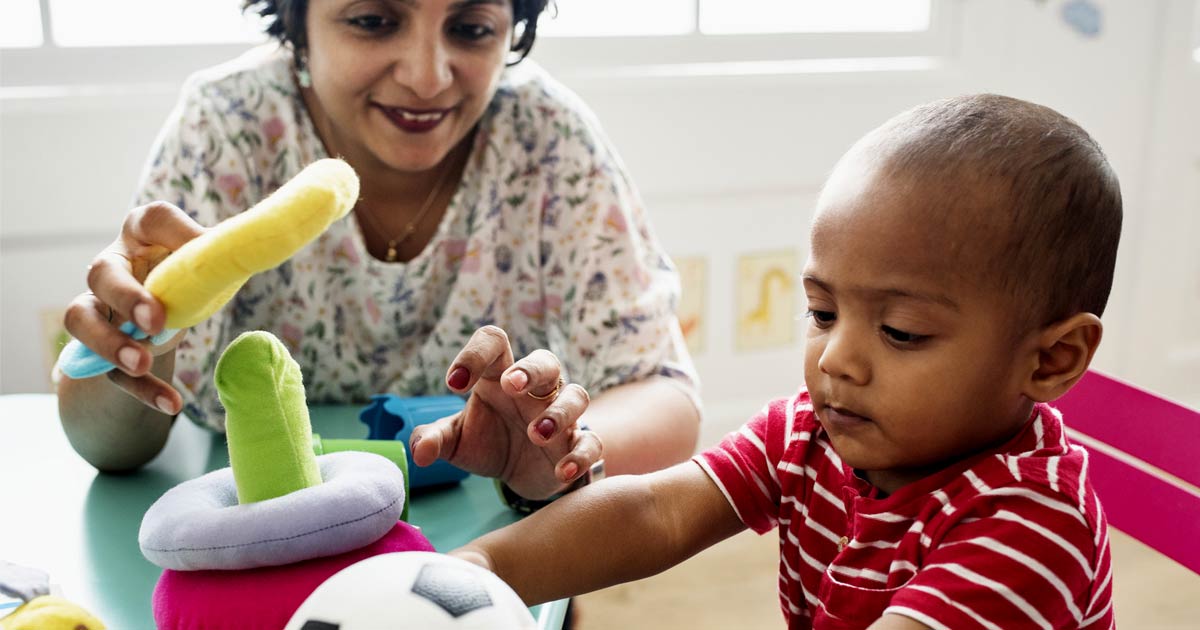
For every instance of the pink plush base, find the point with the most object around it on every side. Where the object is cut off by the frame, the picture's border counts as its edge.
(262, 598)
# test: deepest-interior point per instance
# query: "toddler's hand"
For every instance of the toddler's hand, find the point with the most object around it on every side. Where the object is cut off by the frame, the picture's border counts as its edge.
(474, 557)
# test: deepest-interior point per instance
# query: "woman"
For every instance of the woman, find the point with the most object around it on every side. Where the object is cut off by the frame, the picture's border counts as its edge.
(494, 218)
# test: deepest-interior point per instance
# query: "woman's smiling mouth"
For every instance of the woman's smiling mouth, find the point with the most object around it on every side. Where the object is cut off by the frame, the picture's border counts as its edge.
(415, 120)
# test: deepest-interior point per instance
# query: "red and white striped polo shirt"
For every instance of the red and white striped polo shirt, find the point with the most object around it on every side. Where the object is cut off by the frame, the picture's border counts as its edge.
(1013, 538)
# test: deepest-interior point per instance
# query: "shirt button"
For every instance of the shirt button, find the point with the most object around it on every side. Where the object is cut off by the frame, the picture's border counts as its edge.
(843, 542)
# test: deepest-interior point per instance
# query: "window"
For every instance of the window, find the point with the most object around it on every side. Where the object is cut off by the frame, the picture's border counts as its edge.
(611, 18)
(150, 22)
(52, 42)
(813, 16)
(49, 46)
(80, 23)
(724, 17)
(21, 24)
(690, 37)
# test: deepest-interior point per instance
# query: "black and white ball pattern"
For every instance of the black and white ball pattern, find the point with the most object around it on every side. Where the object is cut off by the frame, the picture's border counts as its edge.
(429, 591)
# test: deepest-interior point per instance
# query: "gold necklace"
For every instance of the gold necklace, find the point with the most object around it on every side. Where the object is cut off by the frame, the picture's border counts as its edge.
(411, 228)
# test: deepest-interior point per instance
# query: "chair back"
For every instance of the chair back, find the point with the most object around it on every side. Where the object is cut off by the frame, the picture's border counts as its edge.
(1144, 456)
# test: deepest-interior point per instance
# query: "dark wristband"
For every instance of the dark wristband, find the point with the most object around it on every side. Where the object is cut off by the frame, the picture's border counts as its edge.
(529, 506)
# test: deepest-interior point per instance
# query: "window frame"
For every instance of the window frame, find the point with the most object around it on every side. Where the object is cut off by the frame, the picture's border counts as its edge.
(107, 68)
(701, 53)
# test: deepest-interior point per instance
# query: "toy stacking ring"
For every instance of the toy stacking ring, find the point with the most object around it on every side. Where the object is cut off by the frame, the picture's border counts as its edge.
(552, 393)
(199, 524)
(277, 503)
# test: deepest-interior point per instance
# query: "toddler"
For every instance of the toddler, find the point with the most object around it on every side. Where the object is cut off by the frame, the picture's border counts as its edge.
(961, 256)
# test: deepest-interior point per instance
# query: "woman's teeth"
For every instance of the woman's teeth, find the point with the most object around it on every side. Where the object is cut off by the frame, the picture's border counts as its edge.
(429, 117)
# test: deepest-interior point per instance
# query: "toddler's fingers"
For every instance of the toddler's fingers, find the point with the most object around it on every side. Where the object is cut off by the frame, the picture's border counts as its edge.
(560, 415)
(149, 389)
(586, 449)
(486, 355)
(537, 374)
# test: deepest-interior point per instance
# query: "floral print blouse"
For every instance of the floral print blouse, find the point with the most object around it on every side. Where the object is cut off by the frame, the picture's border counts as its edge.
(545, 237)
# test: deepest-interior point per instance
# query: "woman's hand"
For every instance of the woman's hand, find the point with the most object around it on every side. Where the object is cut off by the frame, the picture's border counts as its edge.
(519, 424)
(116, 294)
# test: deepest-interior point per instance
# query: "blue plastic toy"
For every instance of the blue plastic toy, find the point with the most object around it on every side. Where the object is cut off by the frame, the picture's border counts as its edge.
(391, 417)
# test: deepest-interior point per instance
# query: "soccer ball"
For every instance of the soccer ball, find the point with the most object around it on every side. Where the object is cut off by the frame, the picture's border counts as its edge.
(413, 589)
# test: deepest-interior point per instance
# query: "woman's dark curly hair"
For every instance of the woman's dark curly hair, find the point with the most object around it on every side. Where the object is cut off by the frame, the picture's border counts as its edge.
(286, 22)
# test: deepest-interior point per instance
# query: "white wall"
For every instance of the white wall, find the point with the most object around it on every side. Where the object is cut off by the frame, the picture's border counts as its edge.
(727, 163)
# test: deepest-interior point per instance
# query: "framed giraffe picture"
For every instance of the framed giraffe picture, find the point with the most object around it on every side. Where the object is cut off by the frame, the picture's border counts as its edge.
(766, 300)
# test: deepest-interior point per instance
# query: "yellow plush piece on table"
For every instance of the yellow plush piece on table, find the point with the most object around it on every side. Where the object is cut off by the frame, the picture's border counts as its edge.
(200, 277)
(49, 612)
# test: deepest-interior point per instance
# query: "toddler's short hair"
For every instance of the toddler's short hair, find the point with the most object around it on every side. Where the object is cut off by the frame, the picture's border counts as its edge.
(1046, 186)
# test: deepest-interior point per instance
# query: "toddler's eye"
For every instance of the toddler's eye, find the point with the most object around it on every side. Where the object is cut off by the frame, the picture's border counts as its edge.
(899, 336)
(822, 319)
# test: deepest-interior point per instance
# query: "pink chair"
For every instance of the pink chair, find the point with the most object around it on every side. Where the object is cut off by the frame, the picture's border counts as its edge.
(1144, 453)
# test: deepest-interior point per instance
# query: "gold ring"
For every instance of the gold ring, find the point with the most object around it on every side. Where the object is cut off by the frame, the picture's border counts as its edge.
(552, 394)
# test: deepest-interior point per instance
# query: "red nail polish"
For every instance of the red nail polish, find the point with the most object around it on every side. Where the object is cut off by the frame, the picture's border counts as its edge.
(459, 378)
(570, 470)
(545, 428)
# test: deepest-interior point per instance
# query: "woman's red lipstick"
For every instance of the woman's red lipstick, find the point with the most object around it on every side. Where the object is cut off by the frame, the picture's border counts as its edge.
(415, 120)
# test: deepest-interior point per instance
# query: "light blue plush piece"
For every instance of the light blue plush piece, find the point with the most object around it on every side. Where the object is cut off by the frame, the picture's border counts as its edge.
(200, 525)
(79, 361)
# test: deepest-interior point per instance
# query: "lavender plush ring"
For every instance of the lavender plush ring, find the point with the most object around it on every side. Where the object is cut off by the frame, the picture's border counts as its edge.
(199, 524)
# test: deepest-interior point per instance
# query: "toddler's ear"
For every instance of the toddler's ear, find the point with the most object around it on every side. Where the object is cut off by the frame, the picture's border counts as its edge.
(1064, 351)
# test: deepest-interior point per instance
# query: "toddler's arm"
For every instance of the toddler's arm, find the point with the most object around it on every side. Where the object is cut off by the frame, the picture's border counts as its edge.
(619, 530)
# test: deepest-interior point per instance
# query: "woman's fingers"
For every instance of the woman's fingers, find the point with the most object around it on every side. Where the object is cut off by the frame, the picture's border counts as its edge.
(111, 279)
(116, 293)
(532, 397)
(87, 319)
(561, 414)
(149, 234)
(160, 225)
(537, 375)
(435, 440)
(486, 355)
(149, 389)
(586, 449)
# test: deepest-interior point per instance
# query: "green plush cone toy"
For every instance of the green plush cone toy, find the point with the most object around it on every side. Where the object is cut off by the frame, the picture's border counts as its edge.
(266, 418)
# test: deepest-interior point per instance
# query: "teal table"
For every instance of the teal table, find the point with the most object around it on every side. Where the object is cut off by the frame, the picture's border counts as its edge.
(59, 515)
